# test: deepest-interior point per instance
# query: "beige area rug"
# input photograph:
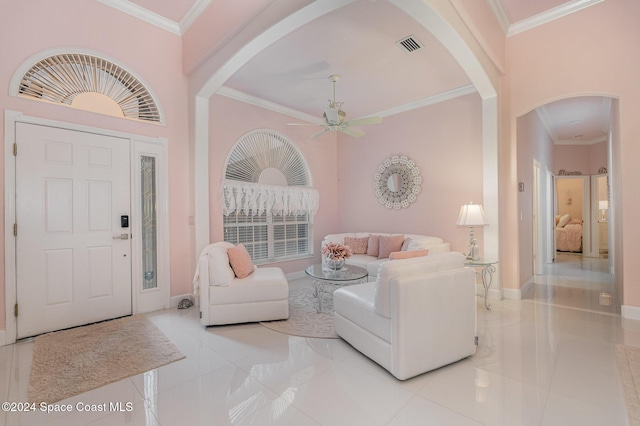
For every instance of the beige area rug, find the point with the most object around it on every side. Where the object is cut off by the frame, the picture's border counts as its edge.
(628, 358)
(69, 362)
(304, 320)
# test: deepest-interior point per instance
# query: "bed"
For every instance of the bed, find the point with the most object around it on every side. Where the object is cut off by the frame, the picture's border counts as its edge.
(569, 235)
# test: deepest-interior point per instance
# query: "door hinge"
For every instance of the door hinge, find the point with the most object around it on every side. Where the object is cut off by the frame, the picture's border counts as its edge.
(476, 341)
(15, 149)
(15, 229)
(15, 310)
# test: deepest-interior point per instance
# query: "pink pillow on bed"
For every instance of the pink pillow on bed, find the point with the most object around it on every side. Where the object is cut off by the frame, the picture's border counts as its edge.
(240, 261)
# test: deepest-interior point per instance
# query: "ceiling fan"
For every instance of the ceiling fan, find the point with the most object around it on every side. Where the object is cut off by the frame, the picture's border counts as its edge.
(335, 118)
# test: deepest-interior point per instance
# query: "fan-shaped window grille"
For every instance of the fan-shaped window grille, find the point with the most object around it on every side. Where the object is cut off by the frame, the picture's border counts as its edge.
(62, 78)
(267, 199)
(257, 156)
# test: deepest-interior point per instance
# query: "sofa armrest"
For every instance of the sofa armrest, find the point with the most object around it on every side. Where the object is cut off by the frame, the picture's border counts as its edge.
(433, 320)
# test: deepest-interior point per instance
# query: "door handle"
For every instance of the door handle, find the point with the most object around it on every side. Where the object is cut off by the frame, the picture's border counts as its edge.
(121, 237)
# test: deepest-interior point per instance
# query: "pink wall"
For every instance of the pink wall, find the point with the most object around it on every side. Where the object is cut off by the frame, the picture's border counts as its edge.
(588, 52)
(587, 159)
(30, 27)
(229, 120)
(445, 141)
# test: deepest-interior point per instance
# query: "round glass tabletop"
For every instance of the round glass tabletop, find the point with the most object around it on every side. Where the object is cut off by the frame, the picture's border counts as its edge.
(347, 273)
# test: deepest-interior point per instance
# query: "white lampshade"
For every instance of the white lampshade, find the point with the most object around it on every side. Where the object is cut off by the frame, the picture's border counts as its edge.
(603, 205)
(471, 215)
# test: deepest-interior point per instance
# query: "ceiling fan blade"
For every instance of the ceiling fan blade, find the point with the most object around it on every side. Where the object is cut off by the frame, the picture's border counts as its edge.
(364, 121)
(319, 133)
(351, 132)
(303, 124)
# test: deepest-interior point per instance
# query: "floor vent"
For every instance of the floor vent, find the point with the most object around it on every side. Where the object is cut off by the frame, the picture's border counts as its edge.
(410, 44)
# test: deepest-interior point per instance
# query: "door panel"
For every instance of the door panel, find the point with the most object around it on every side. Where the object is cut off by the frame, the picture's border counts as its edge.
(71, 189)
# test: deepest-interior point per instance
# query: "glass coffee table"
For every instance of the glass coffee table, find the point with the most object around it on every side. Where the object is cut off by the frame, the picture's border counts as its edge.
(345, 276)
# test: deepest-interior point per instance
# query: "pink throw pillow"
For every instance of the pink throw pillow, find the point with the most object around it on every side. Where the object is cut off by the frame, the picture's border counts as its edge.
(357, 245)
(389, 244)
(408, 254)
(372, 245)
(240, 261)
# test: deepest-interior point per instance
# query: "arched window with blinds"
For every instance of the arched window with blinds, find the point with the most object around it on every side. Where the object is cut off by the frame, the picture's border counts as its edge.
(267, 198)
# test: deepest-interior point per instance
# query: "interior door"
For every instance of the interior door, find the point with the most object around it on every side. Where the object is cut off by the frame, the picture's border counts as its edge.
(73, 257)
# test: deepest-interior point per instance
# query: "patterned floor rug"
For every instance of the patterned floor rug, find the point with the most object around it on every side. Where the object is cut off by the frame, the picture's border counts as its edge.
(628, 358)
(304, 320)
(69, 362)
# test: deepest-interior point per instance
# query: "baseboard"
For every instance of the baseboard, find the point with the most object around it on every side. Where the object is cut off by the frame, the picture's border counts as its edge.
(630, 312)
(3, 337)
(512, 293)
(295, 275)
(176, 299)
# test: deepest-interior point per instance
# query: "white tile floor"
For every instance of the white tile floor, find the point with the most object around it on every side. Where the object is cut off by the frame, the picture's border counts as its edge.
(545, 360)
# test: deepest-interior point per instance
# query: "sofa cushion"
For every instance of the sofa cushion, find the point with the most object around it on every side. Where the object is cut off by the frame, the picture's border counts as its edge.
(410, 267)
(389, 244)
(220, 272)
(397, 255)
(421, 243)
(405, 244)
(356, 303)
(264, 284)
(370, 263)
(240, 261)
(357, 245)
(373, 245)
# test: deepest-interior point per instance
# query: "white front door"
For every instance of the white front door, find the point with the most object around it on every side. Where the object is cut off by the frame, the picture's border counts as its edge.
(73, 258)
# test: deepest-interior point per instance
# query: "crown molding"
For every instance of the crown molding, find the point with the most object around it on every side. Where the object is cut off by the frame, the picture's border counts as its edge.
(549, 15)
(144, 14)
(501, 15)
(581, 142)
(237, 95)
(192, 14)
(158, 20)
(430, 100)
(510, 29)
(543, 114)
(272, 106)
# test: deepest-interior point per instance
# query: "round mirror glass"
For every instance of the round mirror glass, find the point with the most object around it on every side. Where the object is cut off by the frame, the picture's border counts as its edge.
(394, 183)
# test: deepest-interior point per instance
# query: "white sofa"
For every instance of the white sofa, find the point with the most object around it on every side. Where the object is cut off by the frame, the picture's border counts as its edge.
(226, 299)
(419, 314)
(372, 263)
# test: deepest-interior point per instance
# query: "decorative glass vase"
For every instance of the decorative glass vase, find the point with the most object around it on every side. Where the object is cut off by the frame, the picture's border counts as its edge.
(335, 264)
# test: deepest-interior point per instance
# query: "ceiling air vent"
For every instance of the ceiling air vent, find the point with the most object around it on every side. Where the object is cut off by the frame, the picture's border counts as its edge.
(410, 44)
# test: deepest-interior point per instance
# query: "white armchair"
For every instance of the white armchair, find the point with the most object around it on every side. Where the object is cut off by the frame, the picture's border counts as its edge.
(225, 299)
(419, 314)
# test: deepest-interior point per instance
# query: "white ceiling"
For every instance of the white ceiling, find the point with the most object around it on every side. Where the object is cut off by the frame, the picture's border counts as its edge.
(358, 42)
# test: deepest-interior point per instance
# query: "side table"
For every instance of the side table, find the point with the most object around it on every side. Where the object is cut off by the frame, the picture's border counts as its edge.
(486, 273)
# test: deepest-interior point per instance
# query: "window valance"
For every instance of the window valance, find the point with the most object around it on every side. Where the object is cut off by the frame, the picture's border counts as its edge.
(253, 199)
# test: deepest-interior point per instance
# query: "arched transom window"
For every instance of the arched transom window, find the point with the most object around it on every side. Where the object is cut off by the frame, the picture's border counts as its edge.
(267, 198)
(90, 83)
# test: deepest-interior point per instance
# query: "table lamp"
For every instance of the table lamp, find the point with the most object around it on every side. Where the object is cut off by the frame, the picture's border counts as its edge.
(472, 215)
(603, 205)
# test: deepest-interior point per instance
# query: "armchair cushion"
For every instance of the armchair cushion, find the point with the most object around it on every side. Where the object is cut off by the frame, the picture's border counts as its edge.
(407, 268)
(220, 272)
